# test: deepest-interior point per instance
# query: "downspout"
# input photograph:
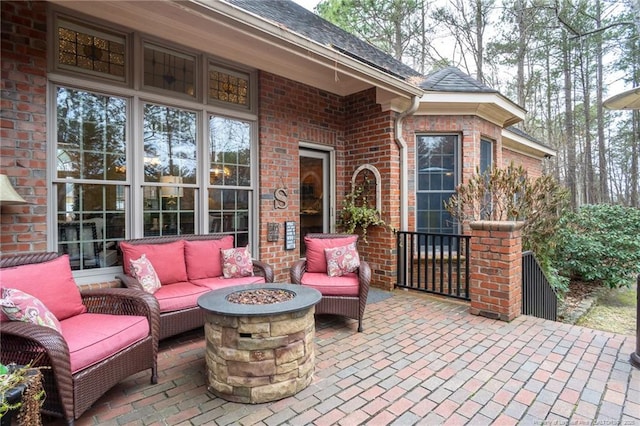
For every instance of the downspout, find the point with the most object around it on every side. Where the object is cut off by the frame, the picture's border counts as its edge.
(402, 145)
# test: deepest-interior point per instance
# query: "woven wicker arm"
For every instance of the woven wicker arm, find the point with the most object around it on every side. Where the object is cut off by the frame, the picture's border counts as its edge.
(26, 343)
(263, 269)
(297, 270)
(129, 282)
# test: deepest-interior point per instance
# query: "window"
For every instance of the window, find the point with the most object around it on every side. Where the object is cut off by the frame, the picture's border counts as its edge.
(437, 179)
(229, 177)
(169, 162)
(90, 173)
(129, 167)
(486, 155)
(91, 51)
(228, 86)
(169, 70)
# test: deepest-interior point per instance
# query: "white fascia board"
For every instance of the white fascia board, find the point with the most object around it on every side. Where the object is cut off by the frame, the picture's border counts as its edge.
(525, 146)
(466, 98)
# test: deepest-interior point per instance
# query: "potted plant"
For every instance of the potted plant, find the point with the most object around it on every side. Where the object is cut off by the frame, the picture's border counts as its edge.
(357, 214)
(21, 392)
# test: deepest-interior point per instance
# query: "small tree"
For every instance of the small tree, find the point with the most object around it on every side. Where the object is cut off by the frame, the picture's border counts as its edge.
(509, 194)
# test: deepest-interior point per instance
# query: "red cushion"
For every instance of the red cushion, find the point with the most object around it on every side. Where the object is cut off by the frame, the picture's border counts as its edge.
(178, 296)
(345, 285)
(51, 282)
(167, 259)
(316, 260)
(94, 337)
(221, 282)
(203, 257)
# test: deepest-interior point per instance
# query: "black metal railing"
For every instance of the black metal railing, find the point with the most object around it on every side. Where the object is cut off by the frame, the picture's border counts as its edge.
(539, 299)
(433, 263)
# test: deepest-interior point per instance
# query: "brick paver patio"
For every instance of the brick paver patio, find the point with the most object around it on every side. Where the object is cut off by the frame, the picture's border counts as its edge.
(420, 360)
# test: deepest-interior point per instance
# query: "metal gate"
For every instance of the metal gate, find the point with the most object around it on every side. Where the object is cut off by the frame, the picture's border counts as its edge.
(433, 263)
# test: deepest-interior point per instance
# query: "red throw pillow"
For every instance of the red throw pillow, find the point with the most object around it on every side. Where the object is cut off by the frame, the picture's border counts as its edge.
(342, 260)
(143, 271)
(316, 259)
(203, 257)
(51, 282)
(237, 262)
(167, 259)
(20, 306)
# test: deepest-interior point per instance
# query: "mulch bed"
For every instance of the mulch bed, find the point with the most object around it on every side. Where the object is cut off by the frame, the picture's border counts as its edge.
(578, 292)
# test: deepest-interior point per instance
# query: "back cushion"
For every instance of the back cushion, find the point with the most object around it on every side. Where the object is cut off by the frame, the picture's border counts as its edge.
(167, 259)
(203, 257)
(51, 282)
(316, 259)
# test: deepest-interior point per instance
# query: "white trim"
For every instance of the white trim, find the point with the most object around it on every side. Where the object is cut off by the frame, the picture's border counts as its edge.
(522, 145)
(378, 182)
(329, 151)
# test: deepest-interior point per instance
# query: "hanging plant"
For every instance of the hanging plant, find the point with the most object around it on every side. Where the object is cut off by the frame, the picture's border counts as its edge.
(357, 214)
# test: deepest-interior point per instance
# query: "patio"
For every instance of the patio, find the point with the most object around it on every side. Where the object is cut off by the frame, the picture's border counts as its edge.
(420, 360)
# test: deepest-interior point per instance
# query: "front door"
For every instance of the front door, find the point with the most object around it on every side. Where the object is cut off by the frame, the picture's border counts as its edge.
(314, 193)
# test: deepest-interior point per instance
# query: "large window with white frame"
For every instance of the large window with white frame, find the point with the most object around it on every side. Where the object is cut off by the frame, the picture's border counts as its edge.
(437, 176)
(132, 163)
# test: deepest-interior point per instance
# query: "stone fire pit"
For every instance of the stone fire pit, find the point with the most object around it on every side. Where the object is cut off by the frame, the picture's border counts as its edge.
(260, 345)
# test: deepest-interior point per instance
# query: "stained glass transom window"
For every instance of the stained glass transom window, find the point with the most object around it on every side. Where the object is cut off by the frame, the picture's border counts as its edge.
(169, 70)
(90, 50)
(229, 87)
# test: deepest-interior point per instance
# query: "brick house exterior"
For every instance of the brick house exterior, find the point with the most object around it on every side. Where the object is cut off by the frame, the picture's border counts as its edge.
(344, 106)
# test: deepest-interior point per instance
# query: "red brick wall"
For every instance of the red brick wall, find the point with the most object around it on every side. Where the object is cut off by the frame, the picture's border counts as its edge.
(370, 140)
(23, 124)
(290, 113)
(531, 164)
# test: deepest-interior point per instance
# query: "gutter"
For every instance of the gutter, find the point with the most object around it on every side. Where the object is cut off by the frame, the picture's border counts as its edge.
(404, 178)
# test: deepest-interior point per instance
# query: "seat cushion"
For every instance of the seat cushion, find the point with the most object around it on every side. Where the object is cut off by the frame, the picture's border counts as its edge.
(316, 259)
(203, 258)
(178, 296)
(167, 259)
(94, 337)
(50, 282)
(221, 282)
(345, 285)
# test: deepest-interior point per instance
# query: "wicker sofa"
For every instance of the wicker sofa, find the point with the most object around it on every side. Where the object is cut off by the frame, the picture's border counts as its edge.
(109, 334)
(341, 295)
(186, 268)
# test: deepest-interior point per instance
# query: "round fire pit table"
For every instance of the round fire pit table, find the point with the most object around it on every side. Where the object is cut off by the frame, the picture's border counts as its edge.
(263, 352)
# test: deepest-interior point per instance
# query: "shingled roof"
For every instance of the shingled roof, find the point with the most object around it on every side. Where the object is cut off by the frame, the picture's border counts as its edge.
(451, 79)
(295, 18)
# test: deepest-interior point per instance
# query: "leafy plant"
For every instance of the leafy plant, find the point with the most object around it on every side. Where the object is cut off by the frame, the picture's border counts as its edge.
(600, 243)
(509, 194)
(356, 213)
(13, 376)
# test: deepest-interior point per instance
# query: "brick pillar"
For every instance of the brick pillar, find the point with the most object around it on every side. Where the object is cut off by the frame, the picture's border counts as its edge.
(496, 269)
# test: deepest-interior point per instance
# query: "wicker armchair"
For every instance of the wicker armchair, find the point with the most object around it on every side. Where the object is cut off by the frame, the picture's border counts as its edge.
(68, 394)
(348, 306)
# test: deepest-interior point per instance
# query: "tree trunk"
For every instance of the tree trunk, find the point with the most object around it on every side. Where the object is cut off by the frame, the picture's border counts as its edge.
(568, 122)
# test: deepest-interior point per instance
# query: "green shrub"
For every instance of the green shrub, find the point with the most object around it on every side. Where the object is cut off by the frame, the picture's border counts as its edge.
(600, 243)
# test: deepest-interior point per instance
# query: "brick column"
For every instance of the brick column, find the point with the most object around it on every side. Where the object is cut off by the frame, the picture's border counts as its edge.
(496, 269)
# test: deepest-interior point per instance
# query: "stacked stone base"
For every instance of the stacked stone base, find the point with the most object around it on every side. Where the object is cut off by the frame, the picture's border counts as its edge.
(257, 359)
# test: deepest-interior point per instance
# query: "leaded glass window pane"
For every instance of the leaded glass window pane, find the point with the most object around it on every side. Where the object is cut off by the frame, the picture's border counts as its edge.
(169, 70)
(89, 50)
(228, 86)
